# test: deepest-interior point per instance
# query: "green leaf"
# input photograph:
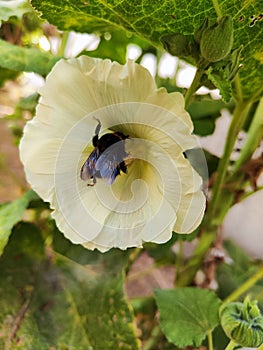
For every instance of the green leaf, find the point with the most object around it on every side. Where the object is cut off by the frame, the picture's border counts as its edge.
(187, 314)
(14, 8)
(203, 113)
(153, 19)
(75, 252)
(50, 302)
(221, 80)
(10, 214)
(113, 46)
(21, 59)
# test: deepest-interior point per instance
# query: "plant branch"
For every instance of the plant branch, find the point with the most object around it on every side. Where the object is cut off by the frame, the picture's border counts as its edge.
(64, 41)
(238, 120)
(245, 286)
(210, 340)
(217, 8)
(154, 338)
(231, 345)
(255, 134)
(194, 86)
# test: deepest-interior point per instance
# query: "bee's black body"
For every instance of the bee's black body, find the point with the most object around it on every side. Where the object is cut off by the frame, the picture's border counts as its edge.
(107, 158)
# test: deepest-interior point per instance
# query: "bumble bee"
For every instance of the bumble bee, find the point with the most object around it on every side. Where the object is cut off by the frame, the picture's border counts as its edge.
(107, 158)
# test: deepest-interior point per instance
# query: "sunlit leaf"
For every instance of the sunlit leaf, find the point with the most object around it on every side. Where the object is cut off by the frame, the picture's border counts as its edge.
(152, 19)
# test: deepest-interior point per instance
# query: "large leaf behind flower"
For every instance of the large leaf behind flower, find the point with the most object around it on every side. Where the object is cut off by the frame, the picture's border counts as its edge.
(47, 301)
(152, 19)
(10, 215)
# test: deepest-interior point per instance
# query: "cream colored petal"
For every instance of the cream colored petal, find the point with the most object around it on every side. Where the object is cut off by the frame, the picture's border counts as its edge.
(117, 83)
(42, 184)
(193, 201)
(150, 122)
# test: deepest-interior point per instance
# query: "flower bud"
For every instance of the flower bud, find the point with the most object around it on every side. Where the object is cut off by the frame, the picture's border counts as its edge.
(177, 44)
(243, 323)
(217, 40)
(199, 31)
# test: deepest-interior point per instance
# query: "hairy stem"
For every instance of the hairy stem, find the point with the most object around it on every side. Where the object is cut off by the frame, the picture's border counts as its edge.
(210, 340)
(231, 345)
(194, 86)
(255, 135)
(238, 119)
(245, 286)
(217, 8)
(64, 41)
(154, 338)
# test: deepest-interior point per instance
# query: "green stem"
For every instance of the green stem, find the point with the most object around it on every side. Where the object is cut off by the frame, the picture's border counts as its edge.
(211, 222)
(187, 275)
(194, 86)
(255, 134)
(238, 88)
(238, 119)
(231, 345)
(245, 286)
(210, 340)
(217, 8)
(179, 260)
(64, 41)
(154, 338)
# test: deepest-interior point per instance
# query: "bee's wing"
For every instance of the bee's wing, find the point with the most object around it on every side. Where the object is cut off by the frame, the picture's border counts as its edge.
(88, 168)
(109, 161)
(108, 166)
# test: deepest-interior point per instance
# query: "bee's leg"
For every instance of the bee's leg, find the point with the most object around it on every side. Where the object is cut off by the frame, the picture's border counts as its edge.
(123, 167)
(97, 131)
(93, 180)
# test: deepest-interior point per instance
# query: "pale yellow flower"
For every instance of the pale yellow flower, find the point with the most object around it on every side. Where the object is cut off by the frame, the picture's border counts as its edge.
(160, 192)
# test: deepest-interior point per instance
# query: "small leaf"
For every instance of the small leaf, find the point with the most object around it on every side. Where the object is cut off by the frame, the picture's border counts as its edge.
(187, 314)
(220, 79)
(10, 214)
(22, 59)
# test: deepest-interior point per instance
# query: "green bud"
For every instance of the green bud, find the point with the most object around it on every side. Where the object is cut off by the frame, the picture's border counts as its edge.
(199, 31)
(243, 323)
(177, 44)
(217, 40)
